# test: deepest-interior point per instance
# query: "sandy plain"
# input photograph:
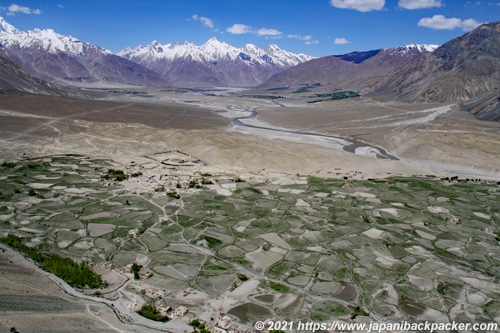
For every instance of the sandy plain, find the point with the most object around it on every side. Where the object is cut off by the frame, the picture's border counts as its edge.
(427, 139)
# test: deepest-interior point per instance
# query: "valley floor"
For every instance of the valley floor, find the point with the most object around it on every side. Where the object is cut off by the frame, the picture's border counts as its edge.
(426, 139)
(299, 164)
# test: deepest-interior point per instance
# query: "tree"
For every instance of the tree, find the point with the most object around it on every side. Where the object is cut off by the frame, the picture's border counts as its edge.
(135, 269)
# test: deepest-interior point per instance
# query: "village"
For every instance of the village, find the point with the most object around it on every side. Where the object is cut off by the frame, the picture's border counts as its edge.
(232, 248)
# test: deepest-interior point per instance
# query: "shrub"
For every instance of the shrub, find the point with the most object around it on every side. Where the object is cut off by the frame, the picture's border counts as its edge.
(174, 195)
(118, 175)
(8, 164)
(73, 273)
(149, 311)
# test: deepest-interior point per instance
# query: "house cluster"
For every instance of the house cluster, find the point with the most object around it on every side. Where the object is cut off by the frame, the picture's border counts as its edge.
(167, 310)
(150, 292)
(170, 312)
(453, 219)
(223, 324)
(107, 265)
(133, 233)
(127, 269)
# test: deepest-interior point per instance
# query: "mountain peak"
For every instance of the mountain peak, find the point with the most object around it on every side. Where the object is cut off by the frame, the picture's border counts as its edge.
(410, 50)
(5, 26)
(156, 46)
(463, 68)
(55, 57)
(215, 61)
(43, 39)
(213, 40)
(271, 48)
(420, 47)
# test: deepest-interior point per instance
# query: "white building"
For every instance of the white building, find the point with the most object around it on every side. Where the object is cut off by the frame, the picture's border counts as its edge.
(181, 311)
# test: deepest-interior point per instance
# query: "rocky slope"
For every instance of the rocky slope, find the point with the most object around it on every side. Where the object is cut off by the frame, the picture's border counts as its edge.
(359, 71)
(460, 70)
(14, 78)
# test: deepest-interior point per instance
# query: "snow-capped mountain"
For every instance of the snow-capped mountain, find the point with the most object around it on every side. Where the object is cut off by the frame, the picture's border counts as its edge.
(55, 57)
(413, 48)
(46, 40)
(463, 69)
(358, 71)
(214, 63)
(214, 50)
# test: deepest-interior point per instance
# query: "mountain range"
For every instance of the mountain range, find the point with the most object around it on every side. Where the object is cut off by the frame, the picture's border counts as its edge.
(359, 71)
(55, 57)
(214, 63)
(464, 70)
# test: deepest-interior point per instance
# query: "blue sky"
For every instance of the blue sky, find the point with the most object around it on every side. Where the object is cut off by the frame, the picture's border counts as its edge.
(315, 27)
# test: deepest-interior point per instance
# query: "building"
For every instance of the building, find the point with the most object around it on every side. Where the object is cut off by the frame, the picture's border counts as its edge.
(223, 322)
(164, 310)
(127, 268)
(181, 311)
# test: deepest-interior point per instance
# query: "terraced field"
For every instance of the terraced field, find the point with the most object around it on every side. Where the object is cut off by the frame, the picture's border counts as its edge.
(291, 247)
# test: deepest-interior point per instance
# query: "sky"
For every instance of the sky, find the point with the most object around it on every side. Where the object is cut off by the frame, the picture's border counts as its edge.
(313, 27)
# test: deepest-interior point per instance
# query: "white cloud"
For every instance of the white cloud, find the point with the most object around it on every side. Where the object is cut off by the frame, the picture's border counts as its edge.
(14, 9)
(470, 24)
(300, 37)
(359, 5)
(268, 32)
(205, 20)
(340, 41)
(472, 4)
(419, 4)
(239, 29)
(308, 39)
(439, 22)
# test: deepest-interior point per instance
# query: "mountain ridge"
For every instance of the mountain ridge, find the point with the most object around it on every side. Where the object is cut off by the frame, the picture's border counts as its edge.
(359, 71)
(213, 50)
(459, 70)
(218, 62)
(464, 70)
(64, 59)
(14, 78)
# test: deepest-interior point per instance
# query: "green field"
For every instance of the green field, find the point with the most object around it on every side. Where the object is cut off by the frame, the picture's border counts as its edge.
(319, 249)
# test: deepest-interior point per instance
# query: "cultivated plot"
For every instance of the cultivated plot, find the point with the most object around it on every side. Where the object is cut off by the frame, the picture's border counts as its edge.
(291, 248)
